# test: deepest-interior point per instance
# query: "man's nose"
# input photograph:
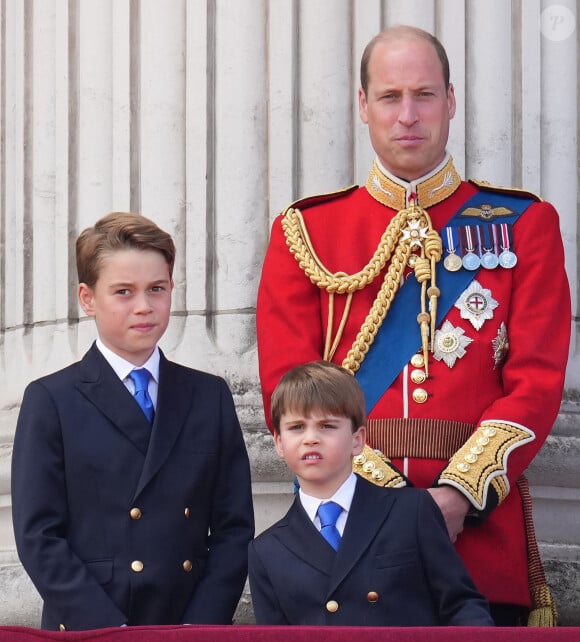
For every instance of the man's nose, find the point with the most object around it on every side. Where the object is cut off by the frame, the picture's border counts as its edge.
(408, 114)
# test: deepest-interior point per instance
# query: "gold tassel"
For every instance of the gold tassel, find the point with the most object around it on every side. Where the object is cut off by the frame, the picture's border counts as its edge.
(545, 612)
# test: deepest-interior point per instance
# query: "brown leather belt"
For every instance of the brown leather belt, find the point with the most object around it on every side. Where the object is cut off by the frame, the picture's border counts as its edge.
(422, 438)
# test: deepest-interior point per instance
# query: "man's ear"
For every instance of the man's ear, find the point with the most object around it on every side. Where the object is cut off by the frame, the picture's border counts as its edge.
(86, 299)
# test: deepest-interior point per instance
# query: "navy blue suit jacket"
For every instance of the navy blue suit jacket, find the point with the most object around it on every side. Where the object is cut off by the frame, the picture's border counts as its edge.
(85, 456)
(395, 567)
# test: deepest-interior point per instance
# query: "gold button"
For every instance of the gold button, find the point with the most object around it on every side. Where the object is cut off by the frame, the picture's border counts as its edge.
(187, 566)
(418, 376)
(420, 395)
(369, 466)
(378, 475)
(186, 512)
(332, 606)
(463, 467)
(470, 458)
(417, 361)
(489, 432)
(359, 460)
(372, 597)
(61, 627)
(412, 261)
(137, 566)
(135, 513)
(476, 450)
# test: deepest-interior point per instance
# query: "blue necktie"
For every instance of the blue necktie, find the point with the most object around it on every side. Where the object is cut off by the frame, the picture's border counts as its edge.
(141, 380)
(328, 514)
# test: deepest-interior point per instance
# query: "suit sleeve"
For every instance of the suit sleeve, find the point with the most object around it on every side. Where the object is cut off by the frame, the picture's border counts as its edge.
(267, 609)
(231, 526)
(457, 600)
(512, 430)
(288, 316)
(40, 516)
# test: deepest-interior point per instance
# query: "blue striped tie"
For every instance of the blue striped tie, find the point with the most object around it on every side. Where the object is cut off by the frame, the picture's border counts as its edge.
(328, 514)
(141, 380)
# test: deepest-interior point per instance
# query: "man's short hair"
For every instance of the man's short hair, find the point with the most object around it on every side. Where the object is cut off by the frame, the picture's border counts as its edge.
(319, 386)
(402, 32)
(119, 231)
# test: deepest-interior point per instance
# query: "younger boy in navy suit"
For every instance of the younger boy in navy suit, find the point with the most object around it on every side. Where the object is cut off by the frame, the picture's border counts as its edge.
(130, 480)
(383, 558)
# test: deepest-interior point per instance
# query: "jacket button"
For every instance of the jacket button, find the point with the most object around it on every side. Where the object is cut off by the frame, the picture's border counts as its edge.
(420, 395)
(135, 513)
(332, 606)
(372, 597)
(137, 566)
(187, 512)
(61, 627)
(187, 566)
(417, 360)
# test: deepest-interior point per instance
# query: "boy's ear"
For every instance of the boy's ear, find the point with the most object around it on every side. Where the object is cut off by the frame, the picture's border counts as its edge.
(359, 439)
(86, 299)
(278, 445)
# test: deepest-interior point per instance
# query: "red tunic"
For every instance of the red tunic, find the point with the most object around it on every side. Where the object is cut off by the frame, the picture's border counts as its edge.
(534, 304)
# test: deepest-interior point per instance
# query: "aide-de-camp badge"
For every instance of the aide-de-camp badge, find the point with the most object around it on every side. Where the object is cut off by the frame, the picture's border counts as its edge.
(450, 344)
(501, 346)
(476, 304)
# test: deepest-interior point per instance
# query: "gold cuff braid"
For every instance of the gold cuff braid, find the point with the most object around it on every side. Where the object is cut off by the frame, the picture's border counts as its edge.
(483, 461)
(376, 468)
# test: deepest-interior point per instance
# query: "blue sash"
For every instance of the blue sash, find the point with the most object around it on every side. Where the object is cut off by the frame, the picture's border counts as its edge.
(398, 337)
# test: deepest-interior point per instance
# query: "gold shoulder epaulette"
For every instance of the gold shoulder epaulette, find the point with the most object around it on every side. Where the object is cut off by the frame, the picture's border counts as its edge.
(512, 191)
(317, 199)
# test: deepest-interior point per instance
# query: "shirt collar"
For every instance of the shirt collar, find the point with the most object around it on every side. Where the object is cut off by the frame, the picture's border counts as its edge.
(343, 496)
(122, 367)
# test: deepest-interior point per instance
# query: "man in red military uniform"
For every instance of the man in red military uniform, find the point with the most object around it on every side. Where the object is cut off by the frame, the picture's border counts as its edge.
(449, 302)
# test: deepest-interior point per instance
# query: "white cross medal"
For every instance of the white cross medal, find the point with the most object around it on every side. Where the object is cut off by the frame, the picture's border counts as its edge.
(476, 304)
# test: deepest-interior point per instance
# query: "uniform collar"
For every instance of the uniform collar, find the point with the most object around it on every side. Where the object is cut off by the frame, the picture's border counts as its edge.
(428, 190)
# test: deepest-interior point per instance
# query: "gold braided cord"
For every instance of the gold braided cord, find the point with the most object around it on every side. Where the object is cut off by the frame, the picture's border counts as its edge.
(298, 240)
(378, 312)
(431, 251)
(409, 231)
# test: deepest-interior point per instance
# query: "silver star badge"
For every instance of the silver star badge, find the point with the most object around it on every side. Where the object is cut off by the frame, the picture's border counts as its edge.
(476, 304)
(450, 344)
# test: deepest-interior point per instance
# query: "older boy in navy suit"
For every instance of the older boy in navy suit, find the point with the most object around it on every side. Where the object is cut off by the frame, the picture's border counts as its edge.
(130, 480)
(382, 556)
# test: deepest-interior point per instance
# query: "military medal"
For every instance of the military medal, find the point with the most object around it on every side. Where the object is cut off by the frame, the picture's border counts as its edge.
(452, 262)
(450, 344)
(470, 259)
(476, 304)
(507, 258)
(489, 259)
(501, 346)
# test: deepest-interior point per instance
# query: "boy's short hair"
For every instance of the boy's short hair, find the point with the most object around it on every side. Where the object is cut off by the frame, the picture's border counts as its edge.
(319, 386)
(119, 231)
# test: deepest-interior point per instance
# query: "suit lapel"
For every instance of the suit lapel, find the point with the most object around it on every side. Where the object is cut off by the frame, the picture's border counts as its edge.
(299, 535)
(370, 507)
(174, 400)
(102, 387)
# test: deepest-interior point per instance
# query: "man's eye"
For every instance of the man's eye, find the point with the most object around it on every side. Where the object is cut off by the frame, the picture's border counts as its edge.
(123, 291)
(157, 288)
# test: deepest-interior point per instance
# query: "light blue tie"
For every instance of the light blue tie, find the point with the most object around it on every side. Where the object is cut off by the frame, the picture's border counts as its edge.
(141, 380)
(328, 514)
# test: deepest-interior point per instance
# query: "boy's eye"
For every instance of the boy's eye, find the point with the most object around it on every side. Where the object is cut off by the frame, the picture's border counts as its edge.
(296, 427)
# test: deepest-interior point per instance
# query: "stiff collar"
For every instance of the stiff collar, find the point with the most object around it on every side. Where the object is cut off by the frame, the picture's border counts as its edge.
(428, 190)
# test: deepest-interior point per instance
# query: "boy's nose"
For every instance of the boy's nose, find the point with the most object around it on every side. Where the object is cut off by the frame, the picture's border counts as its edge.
(142, 303)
